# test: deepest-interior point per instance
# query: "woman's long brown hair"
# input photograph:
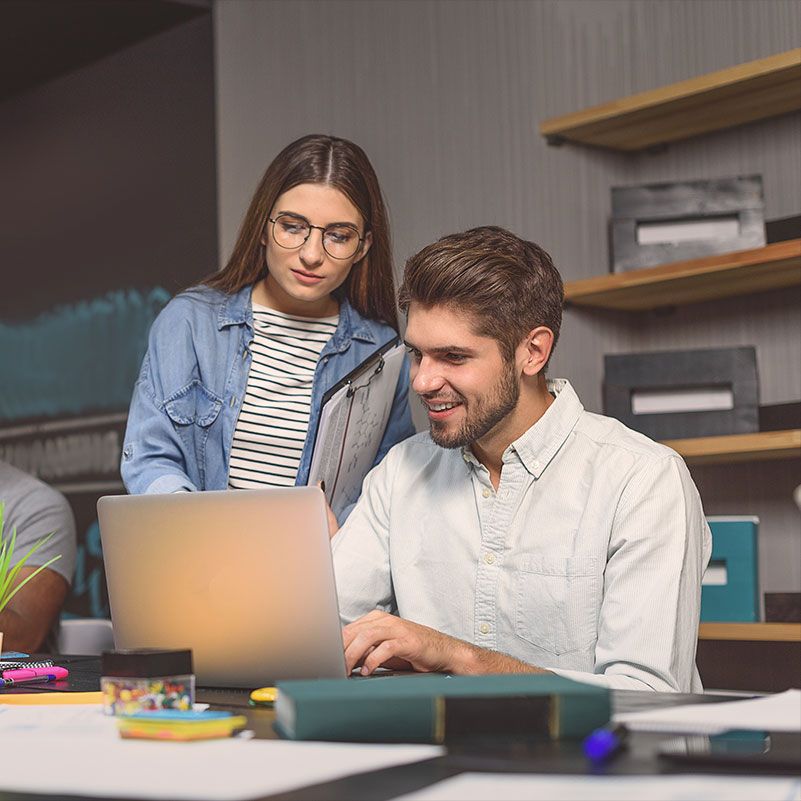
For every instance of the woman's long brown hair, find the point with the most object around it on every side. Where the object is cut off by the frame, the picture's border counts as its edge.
(318, 159)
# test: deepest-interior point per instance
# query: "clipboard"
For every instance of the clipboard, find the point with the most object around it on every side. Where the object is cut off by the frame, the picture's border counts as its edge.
(353, 419)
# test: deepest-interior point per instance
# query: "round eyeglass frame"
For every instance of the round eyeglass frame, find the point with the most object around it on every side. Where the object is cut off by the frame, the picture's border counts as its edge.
(321, 228)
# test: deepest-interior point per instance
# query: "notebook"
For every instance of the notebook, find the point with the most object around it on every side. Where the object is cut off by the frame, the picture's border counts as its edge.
(242, 577)
(16, 665)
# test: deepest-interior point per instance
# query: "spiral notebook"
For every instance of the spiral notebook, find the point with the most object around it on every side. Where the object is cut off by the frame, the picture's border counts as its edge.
(15, 665)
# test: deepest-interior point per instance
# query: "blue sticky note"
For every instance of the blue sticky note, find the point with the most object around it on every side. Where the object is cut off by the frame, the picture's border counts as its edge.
(174, 715)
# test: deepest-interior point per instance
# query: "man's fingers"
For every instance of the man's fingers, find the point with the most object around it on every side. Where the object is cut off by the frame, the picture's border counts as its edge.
(361, 645)
(379, 655)
(366, 633)
(350, 631)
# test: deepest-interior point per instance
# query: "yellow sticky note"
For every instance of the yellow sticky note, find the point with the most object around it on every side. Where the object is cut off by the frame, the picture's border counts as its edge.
(44, 699)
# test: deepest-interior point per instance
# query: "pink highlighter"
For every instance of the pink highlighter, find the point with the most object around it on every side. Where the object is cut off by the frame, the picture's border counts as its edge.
(32, 673)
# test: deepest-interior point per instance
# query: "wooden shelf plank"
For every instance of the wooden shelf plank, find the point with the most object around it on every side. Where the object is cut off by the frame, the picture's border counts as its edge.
(765, 632)
(712, 277)
(733, 96)
(762, 446)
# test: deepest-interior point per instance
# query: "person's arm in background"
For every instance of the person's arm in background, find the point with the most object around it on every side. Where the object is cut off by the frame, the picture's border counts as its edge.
(154, 457)
(35, 510)
(30, 615)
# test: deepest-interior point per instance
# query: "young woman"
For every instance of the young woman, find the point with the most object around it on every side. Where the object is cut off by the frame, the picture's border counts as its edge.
(230, 388)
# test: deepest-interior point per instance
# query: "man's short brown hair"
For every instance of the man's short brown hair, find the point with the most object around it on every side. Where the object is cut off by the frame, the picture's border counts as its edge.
(508, 285)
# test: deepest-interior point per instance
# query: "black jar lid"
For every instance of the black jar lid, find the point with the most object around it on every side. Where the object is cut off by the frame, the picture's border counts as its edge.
(146, 662)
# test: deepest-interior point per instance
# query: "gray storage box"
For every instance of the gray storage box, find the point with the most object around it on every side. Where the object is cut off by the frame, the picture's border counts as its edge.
(678, 394)
(662, 223)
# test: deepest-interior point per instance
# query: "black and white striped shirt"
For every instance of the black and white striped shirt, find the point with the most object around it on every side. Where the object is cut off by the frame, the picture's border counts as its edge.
(274, 419)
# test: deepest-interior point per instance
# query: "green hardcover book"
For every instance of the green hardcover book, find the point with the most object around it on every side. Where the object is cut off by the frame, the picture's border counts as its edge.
(435, 708)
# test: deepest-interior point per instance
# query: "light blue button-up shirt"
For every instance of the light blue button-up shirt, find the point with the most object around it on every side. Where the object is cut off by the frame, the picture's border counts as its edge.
(587, 560)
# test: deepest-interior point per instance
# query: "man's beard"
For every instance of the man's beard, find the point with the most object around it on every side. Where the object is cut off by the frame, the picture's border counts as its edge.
(487, 412)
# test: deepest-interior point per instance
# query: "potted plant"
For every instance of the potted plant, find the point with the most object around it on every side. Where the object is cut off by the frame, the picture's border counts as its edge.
(9, 571)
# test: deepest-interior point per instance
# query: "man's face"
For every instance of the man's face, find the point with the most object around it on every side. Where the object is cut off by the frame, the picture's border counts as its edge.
(461, 377)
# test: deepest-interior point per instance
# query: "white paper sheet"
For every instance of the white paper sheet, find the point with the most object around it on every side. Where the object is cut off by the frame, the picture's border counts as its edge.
(517, 787)
(74, 720)
(86, 756)
(779, 712)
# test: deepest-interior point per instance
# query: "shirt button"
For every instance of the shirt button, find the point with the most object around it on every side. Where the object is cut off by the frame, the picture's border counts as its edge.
(489, 558)
(484, 628)
(486, 492)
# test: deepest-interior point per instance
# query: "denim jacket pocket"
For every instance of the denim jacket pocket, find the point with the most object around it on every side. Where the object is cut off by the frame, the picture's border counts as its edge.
(193, 404)
(557, 602)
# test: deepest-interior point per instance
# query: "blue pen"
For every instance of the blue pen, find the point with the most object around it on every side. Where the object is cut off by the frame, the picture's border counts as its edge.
(603, 744)
(28, 680)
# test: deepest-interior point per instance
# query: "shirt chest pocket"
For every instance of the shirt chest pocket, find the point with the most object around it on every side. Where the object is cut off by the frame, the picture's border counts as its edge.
(193, 404)
(557, 602)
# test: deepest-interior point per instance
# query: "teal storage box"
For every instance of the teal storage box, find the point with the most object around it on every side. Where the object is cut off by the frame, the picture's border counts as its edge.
(730, 587)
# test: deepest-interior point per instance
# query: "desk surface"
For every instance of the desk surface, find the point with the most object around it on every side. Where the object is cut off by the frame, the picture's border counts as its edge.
(563, 757)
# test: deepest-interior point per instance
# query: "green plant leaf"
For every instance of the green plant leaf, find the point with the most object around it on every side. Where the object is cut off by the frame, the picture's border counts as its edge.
(9, 573)
(12, 572)
(5, 564)
(5, 601)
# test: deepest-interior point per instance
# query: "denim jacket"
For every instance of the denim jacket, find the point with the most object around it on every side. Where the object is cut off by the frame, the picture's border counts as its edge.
(190, 389)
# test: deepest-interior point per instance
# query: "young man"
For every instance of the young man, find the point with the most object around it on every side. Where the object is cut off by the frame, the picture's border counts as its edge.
(30, 622)
(521, 534)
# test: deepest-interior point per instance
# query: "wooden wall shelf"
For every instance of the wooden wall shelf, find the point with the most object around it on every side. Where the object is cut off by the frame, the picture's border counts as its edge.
(726, 275)
(746, 92)
(765, 632)
(760, 447)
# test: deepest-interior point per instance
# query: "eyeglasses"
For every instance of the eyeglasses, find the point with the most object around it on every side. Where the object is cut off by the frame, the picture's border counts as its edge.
(340, 241)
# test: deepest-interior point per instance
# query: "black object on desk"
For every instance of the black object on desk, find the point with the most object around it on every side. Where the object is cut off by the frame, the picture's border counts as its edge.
(755, 751)
(84, 676)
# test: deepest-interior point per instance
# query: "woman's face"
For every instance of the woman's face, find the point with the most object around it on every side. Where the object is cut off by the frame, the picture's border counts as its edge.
(300, 279)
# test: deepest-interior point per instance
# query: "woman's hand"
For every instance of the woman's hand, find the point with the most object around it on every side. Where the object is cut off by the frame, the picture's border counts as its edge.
(333, 523)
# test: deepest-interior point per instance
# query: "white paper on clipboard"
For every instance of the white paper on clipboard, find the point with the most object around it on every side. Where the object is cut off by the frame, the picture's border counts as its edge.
(352, 424)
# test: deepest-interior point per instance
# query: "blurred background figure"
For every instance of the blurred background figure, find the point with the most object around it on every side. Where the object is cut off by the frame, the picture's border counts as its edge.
(30, 621)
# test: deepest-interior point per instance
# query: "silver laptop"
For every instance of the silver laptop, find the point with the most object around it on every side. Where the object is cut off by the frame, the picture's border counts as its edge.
(244, 578)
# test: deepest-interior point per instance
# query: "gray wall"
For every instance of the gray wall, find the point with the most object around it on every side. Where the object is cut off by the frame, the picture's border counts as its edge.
(446, 96)
(107, 175)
